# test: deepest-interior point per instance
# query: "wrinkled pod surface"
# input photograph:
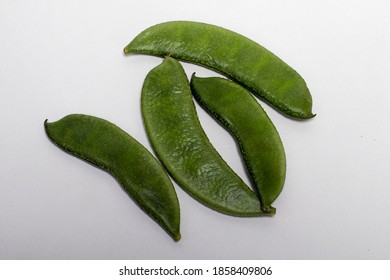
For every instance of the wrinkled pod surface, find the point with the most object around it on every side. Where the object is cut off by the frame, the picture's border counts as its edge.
(233, 55)
(259, 141)
(108, 147)
(182, 146)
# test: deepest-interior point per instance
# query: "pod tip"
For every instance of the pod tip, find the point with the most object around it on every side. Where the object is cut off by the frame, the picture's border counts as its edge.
(176, 236)
(268, 210)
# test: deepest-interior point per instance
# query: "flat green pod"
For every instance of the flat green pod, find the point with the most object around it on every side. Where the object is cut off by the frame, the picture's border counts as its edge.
(259, 141)
(108, 147)
(182, 146)
(233, 55)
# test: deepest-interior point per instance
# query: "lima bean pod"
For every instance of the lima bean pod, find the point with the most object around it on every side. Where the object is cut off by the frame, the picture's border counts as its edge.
(259, 141)
(182, 146)
(110, 148)
(233, 55)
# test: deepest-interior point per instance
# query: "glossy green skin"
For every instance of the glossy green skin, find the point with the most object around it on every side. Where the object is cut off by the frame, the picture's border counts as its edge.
(259, 141)
(233, 55)
(182, 146)
(108, 147)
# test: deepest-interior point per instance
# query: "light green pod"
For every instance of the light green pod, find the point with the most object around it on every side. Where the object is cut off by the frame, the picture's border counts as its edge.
(110, 148)
(259, 141)
(182, 146)
(233, 55)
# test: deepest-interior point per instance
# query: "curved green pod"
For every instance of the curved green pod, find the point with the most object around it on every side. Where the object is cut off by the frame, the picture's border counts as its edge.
(233, 55)
(182, 146)
(259, 141)
(110, 148)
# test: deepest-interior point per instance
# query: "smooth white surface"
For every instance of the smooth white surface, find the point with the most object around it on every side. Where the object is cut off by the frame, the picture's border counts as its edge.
(63, 57)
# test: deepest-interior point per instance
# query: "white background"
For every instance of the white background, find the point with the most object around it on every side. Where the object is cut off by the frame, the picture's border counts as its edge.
(63, 57)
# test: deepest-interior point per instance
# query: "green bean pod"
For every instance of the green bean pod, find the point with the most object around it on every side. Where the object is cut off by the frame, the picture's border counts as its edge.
(182, 146)
(106, 146)
(259, 141)
(233, 55)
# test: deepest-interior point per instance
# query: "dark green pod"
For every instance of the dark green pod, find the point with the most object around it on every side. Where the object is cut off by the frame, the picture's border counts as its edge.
(182, 146)
(232, 55)
(108, 147)
(259, 141)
